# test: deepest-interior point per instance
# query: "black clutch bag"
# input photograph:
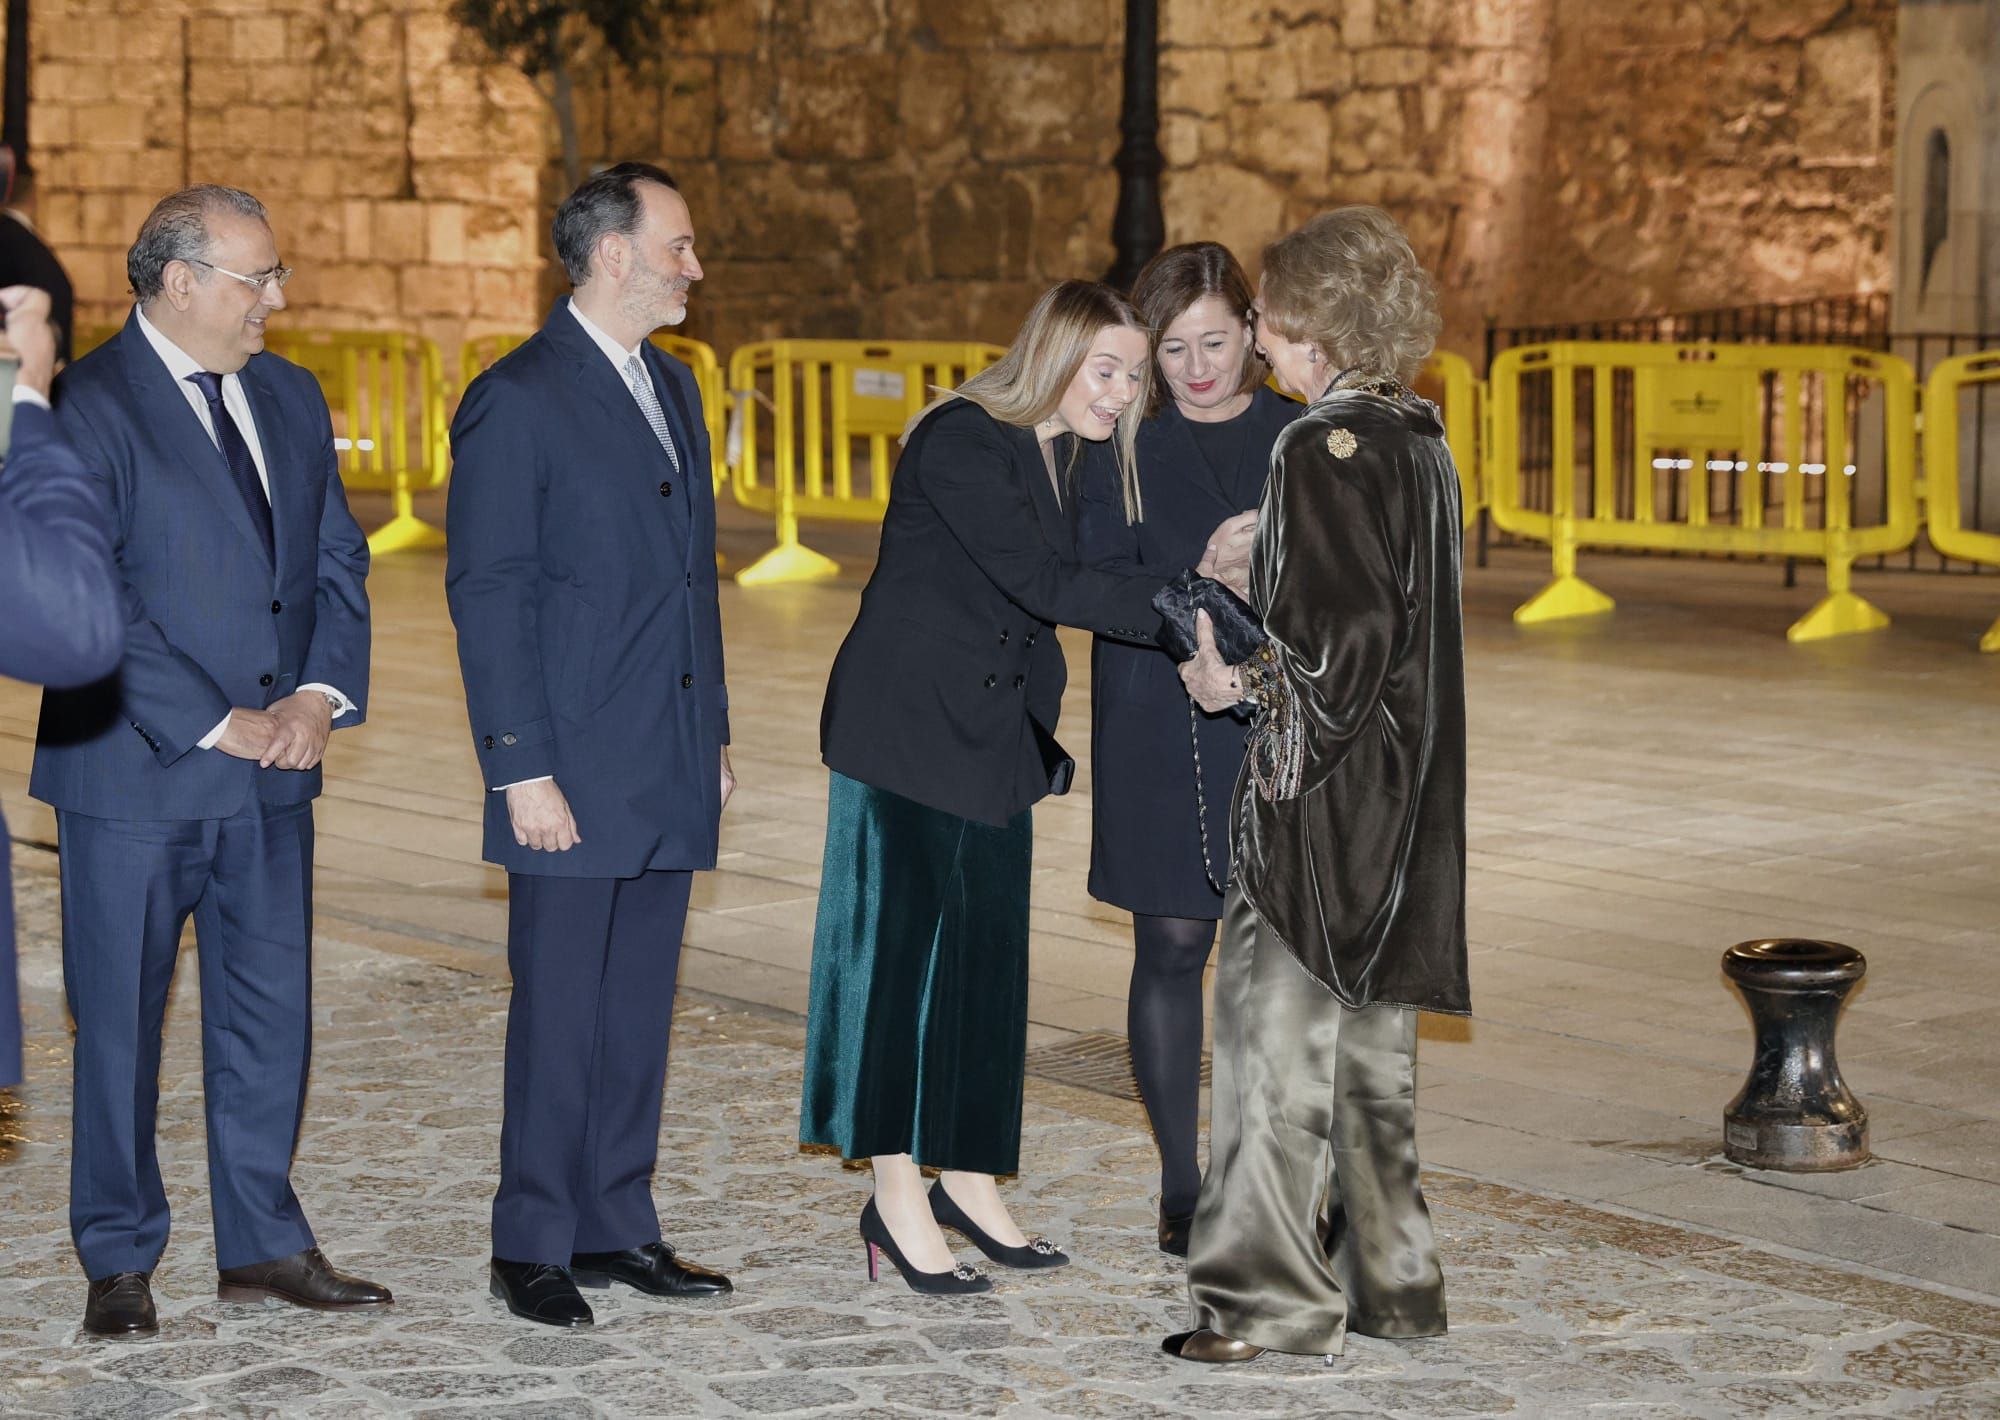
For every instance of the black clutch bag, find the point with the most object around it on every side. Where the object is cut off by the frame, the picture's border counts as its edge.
(1238, 632)
(1056, 761)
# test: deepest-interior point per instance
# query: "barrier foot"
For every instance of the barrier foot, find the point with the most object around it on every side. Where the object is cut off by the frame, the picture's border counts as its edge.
(788, 563)
(406, 532)
(1838, 614)
(1567, 596)
(1991, 640)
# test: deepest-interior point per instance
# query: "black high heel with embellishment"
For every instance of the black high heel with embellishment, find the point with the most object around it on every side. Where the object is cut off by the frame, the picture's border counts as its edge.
(1039, 1252)
(960, 1281)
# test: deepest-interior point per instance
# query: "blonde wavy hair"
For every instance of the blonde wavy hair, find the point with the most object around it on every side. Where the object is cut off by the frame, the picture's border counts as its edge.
(1027, 384)
(1348, 283)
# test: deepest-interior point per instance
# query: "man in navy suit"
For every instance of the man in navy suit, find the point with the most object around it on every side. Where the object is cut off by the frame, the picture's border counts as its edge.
(183, 783)
(64, 624)
(581, 575)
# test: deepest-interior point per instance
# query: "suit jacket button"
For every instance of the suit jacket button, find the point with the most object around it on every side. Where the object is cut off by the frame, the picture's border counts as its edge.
(992, 681)
(506, 739)
(1031, 638)
(488, 742)
(263, 680)
(666, 490)
(1003, 637)
(277, 607)
(1019, 681)
(687, 682)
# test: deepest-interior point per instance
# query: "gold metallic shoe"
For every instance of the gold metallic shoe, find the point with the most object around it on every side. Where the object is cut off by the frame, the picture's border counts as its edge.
(1210, 1347)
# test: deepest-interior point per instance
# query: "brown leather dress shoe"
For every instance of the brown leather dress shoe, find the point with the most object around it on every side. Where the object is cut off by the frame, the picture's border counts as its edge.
(1211, 1347)
(305, 1279)
(121, 1305)
(652, 1269)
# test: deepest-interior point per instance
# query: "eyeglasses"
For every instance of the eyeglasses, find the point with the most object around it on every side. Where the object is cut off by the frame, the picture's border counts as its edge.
(278, 274)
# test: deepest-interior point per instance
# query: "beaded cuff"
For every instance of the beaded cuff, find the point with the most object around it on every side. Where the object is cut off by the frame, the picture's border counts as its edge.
(1277, 736)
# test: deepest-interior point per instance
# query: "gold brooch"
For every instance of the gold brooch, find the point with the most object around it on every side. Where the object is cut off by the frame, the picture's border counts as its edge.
(1341, 443)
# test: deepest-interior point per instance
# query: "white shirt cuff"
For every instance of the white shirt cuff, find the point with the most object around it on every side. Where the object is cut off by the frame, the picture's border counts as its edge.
(341, 704)
(209, 740)
(538, 779)
(24, 395)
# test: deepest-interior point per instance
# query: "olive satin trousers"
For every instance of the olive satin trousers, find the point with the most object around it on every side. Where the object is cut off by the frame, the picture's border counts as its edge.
(1312, 1221)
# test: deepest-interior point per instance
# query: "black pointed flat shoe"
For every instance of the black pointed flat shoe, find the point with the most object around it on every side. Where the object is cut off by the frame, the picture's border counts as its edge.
(1210, 1347)
(1038, 1253)
(539, 1291)
(1175, 1231)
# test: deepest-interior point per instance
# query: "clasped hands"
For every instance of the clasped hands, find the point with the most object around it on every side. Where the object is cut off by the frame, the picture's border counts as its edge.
(290, 734)
(1212, 682)
(540, 814)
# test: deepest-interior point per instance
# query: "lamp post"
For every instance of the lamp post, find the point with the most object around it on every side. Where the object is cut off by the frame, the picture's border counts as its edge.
(1139, 229)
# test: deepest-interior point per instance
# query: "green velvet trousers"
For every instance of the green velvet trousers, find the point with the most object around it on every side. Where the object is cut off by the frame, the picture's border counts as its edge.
(917, 1032)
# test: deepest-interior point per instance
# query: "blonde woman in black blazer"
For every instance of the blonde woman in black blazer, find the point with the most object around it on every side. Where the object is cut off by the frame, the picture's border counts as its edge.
(939, 732)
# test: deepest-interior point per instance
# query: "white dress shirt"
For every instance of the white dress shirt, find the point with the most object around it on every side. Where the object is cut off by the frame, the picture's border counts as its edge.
(610, 347)
(617, 356)
(180, 365)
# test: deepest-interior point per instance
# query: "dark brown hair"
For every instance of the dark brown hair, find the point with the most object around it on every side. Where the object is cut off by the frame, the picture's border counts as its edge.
(1182, 275)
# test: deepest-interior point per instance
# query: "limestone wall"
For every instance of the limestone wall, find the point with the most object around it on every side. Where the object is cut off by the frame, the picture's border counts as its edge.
(403, 182)
(923, 167)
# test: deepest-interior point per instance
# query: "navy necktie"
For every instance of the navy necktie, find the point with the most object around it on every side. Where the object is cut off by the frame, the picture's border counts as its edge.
(236, 453)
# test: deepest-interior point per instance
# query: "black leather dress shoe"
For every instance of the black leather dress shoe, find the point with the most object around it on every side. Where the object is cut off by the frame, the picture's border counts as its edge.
(652, 1269)
(121, 1305)
(305, 1279)
(539, 1291)
(1175, 1230)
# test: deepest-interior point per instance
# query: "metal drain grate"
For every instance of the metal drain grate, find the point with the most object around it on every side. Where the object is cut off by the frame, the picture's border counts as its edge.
(1093, 1060)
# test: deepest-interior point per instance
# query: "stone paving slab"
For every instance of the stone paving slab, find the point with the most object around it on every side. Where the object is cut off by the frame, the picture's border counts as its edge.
(1558, 1308)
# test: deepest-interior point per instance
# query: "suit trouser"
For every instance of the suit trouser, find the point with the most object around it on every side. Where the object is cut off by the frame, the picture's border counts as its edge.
(11, 1027)
(1312, 1220)
(594, 962)
(128, 888)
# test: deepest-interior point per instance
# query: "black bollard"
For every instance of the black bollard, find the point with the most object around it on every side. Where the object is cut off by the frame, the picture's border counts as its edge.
(1795, 1112)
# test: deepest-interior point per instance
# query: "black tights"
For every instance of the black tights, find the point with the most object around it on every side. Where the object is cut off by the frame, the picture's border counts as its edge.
(1163, 1020)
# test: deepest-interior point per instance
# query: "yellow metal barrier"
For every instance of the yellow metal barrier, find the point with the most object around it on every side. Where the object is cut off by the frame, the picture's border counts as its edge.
(812, 431)
(1741, 433)
(1451, 376)
(386, 392)
(1942, 465)
(699, 356)
(88, 337)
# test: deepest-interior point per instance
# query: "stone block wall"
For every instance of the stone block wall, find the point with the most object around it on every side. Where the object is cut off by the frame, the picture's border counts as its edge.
(924, 167)
(404, 184)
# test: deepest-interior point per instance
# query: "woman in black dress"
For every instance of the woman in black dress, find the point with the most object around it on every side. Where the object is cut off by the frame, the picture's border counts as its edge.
(1202, 456)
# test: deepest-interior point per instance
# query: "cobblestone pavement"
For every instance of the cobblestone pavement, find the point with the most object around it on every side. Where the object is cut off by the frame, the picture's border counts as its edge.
(1558, 1308)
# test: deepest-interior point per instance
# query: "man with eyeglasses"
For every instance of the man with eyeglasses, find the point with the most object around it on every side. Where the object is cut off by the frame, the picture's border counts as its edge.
(183, 783)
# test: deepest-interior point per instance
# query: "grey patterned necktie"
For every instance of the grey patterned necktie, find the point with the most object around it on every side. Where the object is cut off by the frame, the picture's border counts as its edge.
(649, 403)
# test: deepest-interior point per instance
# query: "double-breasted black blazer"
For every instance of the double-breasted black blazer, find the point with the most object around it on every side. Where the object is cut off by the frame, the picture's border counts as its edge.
(954, 655)
(1145, 843)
